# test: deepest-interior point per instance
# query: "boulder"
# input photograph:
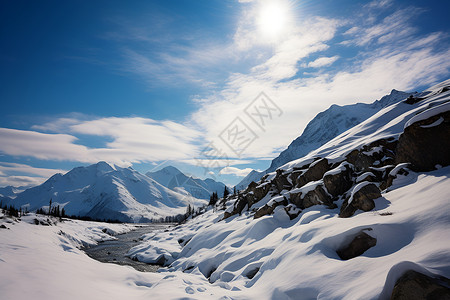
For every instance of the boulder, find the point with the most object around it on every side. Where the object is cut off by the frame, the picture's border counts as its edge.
(426, 143)
(376, 152)
(415, 285)
(359, 244)
(307, 198)
(239, 205)
(401, 169)
(281, 181)
(315, 172)
(292, 211)
(361, 197)
(317, 196)
(268, 208)
(339, 181)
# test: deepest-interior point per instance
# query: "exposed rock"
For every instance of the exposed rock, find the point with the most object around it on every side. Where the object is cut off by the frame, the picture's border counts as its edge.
(281, 181)
(382, 172)
(316, 196)
(315, 172)
(268, 208)
(367, 176)
(239, 205)
(401, 169)
(378, 151)
(415, 285)
(412, 100)
(3, 226)
(337, 183)
(259, 191)
(425, 146)
(292, 211)
(362, 197)
(360, 244)
(252, 273)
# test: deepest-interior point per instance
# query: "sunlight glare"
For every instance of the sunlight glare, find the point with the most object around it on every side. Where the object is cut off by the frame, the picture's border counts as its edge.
(273, 18)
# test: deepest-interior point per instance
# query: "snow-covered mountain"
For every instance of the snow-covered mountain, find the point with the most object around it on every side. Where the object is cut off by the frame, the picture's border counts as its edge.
(325, 126)
(174, 179)
(103, 191)
(9, 191)
(364, 216)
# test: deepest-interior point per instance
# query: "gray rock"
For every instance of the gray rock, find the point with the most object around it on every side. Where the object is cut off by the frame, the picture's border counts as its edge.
(360, 244)
(362, 199)
(338, 184)
(425, 147)
(415, 285)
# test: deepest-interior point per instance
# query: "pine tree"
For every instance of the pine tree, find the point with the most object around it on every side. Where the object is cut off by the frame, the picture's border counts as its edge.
(225, 193)
(50, 207)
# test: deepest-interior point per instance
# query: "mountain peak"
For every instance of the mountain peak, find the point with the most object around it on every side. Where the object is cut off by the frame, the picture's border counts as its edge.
(104, 166)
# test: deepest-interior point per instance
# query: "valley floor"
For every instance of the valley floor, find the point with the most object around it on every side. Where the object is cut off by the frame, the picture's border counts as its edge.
(291, 259)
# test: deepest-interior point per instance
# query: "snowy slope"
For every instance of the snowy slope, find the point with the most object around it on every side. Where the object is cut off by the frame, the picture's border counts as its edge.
(9, 191)
(325, 126)
(389, 122)
(174, 179)
(103, 191)
(277, 256)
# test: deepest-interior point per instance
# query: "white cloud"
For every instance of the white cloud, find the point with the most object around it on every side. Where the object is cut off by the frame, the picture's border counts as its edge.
(9, 174)
(21, 181)
(133, 140)
(323, 62)
(235, 171)
(396, 60)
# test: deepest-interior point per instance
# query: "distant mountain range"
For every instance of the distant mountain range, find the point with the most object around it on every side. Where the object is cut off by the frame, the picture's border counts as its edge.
(104, 191)
(324, 127)
(174, 179)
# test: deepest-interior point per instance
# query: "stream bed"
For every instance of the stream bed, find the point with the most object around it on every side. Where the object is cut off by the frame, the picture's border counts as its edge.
(114, 251)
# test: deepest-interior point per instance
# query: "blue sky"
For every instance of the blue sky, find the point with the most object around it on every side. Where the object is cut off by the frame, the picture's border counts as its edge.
(154, 83)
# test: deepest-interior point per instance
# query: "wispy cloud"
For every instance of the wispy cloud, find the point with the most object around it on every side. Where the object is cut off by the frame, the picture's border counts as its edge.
(30, 176)
(397, 58)
(323, 62)
(235, 171)
(133, 140)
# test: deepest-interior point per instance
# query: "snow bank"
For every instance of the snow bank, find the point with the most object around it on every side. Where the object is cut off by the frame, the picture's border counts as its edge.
(276, 258)
(428, 114)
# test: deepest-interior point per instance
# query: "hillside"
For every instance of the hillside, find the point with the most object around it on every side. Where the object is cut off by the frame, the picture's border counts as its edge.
(324, 127)
(358, 218)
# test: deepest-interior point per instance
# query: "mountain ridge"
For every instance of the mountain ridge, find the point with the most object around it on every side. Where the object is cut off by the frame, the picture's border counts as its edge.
(322, 128)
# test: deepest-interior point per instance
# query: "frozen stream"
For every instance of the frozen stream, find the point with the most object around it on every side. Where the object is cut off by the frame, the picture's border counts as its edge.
(115, 251)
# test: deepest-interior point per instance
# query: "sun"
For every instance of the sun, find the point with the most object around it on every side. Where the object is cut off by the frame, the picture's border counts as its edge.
(273, 18)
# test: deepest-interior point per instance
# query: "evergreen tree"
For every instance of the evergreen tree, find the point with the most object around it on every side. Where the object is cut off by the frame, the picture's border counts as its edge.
(213, 199)
(225, 193)
(50, 207)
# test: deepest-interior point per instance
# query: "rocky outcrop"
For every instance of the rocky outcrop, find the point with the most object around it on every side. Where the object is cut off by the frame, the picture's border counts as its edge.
(415, 285)
(315, 172)
(426, 143)
(361, 197)
(268, 208)
(378, 153)
(317, 196)
(339, 180)
(359, 244)
(281, 181)
(309, 195)
(292, 211)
